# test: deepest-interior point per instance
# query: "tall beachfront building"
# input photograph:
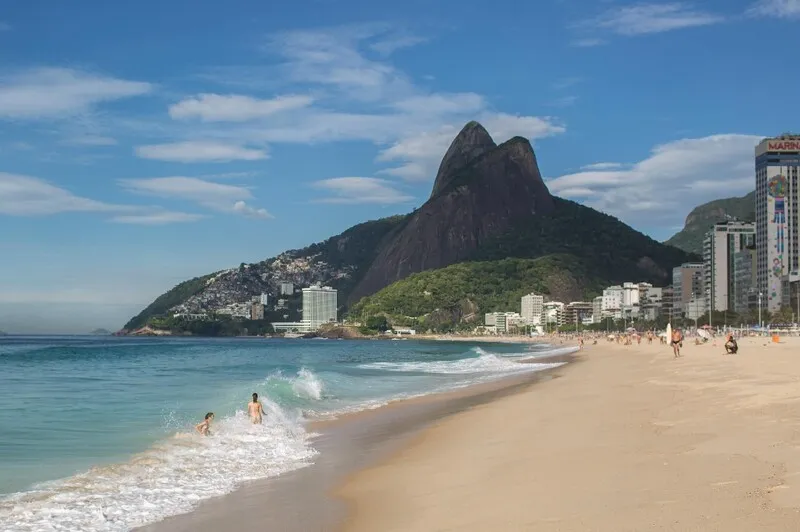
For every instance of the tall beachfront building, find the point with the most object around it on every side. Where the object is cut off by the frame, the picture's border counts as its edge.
(319, 306)
(720, 246)
(532, 306)
(777, 172)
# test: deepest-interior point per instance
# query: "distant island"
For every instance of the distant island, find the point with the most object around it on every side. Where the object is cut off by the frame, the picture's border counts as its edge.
(100, 332)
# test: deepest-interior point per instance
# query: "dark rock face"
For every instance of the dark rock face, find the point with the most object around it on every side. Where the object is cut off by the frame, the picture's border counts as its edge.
(472, 142)
(482, 191)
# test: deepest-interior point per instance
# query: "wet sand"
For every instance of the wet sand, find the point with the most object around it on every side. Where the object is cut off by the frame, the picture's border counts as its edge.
(301, 500)
(630, 439)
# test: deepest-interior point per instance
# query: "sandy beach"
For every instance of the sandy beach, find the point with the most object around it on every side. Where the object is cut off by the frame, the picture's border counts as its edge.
(628, 439)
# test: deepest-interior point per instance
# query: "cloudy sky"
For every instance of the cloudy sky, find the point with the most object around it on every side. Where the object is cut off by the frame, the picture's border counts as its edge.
(142, 143)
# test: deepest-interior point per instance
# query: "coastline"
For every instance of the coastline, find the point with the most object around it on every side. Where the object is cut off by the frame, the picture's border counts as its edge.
(632, 439)
(349, 443)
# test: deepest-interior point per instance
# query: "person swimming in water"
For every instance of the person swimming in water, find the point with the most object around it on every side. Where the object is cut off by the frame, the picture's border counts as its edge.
(204, 427)
(256, 410)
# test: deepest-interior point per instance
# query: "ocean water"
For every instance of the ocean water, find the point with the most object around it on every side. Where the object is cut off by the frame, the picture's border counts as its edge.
(97, 433)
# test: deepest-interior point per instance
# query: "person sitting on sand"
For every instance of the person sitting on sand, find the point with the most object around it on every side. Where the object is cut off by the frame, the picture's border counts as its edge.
(256, 410)
(204, 427)
(677, 342)
(731, 347)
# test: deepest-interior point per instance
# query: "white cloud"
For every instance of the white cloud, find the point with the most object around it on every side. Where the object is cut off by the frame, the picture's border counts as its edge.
(361, 190)
(157, 218)
(30, 196)
(244, 209)
(602, 166)
(59, 92)
(422, 153)
(441, 103)
(235, 108)
(199, 151)
(776, 8)
(358, 97)
(215, 196)
(643, 19)
(660, 190)
(332, 57)
(392, 43)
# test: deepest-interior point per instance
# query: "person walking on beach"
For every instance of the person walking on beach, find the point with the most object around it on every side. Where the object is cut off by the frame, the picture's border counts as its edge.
(677, 341)
(256, 410)
(204, 427)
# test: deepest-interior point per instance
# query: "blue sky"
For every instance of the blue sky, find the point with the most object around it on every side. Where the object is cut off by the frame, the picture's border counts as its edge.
(143, 143)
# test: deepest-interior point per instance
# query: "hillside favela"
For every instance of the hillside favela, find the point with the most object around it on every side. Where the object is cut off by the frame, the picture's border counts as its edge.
(421, 267)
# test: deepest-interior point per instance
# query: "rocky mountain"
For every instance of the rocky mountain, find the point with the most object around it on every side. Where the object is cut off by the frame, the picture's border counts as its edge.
(703, 217)
(481, 191)
(488, 202)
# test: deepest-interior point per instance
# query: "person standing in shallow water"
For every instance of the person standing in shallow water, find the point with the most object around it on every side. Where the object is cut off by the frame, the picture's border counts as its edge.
(256, 410)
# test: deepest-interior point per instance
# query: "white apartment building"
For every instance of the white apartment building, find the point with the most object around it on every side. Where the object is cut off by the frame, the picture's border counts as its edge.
(612, 302)
(319, 306)
(777, 175)
(720, 245)
(532, 308)
(264, 299)
(630, 295)
(501, 322)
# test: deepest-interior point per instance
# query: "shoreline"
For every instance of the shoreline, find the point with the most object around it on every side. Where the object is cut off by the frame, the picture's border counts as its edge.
(283, 502)
(637, 440)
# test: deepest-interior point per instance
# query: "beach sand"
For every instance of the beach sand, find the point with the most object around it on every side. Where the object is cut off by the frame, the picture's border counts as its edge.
(628, 439)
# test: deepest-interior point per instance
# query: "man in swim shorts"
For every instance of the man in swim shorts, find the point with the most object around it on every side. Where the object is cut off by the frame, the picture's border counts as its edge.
(255, 409)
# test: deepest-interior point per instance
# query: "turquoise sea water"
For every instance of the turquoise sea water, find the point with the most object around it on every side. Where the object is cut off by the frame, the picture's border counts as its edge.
(97, 433)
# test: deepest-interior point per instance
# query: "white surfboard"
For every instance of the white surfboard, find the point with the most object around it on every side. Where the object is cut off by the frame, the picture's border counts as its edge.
(669, 334)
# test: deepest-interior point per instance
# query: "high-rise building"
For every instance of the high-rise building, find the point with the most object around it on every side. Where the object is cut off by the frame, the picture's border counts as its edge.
(553, 313)
(578, 313)
(264, 299)
(597, 309)
(319, 306)
(720, 245)
(666, 302)
(612, 302)
(744, 280)
(687, 285)
(777, 174)
(532, 307)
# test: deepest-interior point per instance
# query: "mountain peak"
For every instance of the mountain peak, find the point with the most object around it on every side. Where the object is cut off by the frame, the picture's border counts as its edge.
(471, 142)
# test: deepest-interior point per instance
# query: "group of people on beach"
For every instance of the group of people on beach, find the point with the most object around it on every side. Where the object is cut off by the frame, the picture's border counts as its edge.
(254, 409)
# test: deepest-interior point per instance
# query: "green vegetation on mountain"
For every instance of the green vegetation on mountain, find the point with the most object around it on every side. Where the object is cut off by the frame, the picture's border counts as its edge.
(703, 217)
(612, 250)
(167, 300)
(220, 325)
(461, 293)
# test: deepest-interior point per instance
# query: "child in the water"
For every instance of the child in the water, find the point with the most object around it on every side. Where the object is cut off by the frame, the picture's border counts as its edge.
(204, 427)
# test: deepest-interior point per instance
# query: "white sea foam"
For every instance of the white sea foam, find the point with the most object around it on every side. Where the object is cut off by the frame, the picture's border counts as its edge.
(484, 363)
(168, 479)
(307, 384)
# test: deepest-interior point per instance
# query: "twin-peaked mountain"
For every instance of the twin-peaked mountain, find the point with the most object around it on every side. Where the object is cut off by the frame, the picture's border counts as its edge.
(488, 203)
